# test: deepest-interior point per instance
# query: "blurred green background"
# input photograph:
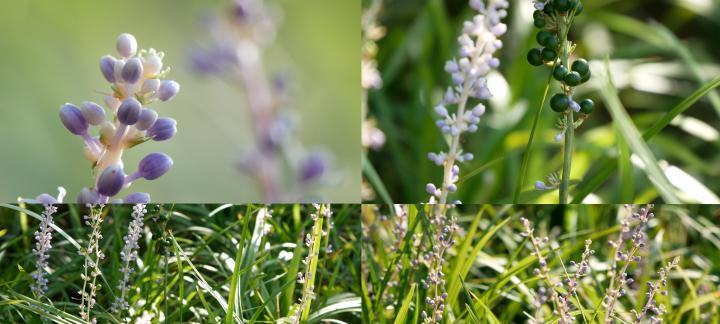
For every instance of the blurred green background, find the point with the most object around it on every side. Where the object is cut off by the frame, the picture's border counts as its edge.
(50, 54)
(660, 52)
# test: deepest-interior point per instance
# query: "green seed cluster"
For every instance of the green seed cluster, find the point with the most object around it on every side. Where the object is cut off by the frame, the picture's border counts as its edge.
(549, 37)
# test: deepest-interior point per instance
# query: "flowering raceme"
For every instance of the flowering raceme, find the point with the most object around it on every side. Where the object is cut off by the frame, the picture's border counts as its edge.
(239, 38)
(478, 42)
(137, 80)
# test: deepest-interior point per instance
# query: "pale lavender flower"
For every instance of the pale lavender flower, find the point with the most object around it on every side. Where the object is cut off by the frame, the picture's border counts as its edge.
(478, 42)
(239, 41)
(128, 255)
(43, 238)
(91, 268)
(136, 80)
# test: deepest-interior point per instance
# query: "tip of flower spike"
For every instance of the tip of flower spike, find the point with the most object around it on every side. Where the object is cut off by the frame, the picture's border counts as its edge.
(126, 45)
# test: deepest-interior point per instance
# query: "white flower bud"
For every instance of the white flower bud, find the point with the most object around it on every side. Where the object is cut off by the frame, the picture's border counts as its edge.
(126, 45)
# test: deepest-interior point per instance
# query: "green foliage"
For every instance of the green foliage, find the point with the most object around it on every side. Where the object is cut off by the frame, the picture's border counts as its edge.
(663, 68)
(490, 270)
(199, 263)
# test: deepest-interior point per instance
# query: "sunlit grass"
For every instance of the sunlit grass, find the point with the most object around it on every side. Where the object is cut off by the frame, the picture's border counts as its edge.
(197, 263)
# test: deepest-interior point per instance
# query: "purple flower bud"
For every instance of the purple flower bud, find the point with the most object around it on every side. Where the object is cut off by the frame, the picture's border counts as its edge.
(163, 129)
(46, 199)
(154, 165)
(479, 110)
(129, 111)
(73, 119)
(441, 110)
(147, 119)
(107, 67)
(132, 71)
(93, 113)
(539, 185)
(88, 196)
(137, 198)
(111, 181)
(430, 189)
(126, 45)
(312, 167)
(168, 90)
(452, 188)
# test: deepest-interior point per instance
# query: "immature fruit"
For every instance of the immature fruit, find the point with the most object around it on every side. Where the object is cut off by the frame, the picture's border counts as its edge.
(559, 72)
(562, 5)
(537, 14)
(573, 4)
(559, 102)
(581, 66)
(549, 9)
(553, 41)
(539, 22)
(534, 57)
(587, 106)
(586, 77)
(542, 37)
(579, 9)
(548, 54)
(573, 78)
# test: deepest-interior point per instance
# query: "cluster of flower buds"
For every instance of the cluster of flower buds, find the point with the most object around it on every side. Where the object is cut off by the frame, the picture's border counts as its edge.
(137, 81)
(43, 238)
(478, 42)
(236, 54)
(549, 17)
(372, 136)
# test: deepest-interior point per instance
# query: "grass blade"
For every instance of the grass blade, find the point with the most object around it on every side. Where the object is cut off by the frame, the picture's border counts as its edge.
(402, 312)
(635, 141)
(598, 178)
(528, 148)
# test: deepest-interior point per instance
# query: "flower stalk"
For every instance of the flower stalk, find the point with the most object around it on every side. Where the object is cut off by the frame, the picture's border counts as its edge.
(313, 242)
(91, 268)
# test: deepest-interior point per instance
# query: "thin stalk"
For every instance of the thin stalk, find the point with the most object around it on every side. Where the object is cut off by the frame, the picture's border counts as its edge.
(528, 147)
(310, 270)
(564, 26)
(567, 157)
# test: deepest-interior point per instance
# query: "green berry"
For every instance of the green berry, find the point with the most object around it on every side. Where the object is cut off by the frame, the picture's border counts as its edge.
(537, 14)
(542, 37)
(548, 54)
(559, 72)
(559, 102)
(573, 78)
(573, 4)
(540, 22)
(586, 77)
(549, 9)
(553, 41)
(587, 106)
(581, 66)
(562, 5)
(579, 9)
(534, 56)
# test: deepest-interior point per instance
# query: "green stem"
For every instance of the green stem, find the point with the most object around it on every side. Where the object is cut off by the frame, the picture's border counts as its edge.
(528, 147)
(567, 158)
(564, 26)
